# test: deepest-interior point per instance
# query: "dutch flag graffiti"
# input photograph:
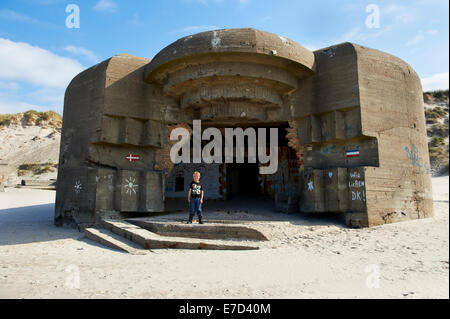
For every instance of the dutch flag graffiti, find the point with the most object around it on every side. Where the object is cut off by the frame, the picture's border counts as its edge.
(352, 153)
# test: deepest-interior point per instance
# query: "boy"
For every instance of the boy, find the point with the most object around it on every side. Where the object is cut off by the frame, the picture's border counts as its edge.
(195, 198)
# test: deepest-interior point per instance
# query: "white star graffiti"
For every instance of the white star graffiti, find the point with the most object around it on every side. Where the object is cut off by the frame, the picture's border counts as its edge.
(78, 187)
(131, 186)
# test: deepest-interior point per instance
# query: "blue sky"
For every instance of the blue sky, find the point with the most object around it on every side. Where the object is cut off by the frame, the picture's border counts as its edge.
(39, 54)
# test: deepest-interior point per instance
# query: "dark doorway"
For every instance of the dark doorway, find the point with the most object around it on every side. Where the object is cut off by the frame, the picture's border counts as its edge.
(242, 180)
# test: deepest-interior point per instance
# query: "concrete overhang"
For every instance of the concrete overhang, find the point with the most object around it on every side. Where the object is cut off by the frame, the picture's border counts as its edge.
(235, 60)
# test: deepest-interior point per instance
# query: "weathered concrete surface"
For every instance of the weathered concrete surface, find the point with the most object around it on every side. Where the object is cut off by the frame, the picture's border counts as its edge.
(332, 101)
(107, 238)
(176, 229)
(150, 240)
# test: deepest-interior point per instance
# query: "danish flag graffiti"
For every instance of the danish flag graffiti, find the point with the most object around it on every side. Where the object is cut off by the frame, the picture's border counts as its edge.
(133, 158)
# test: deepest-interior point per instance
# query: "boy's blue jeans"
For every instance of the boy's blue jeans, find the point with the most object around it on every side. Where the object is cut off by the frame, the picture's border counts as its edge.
(195, 207)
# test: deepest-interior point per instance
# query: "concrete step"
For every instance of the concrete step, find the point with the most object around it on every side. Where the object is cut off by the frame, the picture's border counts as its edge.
(205, 231)
(110, 239)
(151, 240)
(38, 182)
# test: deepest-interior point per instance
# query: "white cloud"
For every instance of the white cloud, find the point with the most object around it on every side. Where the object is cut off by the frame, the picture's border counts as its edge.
(438, 81)
(421, 35)
(392, 16)
(357, 34)
(17, 17)
(353, 34)
(14, 106)
(7, 14)
(416, 39)
(106, 5)
(15, 98)
(24, 67)
(9, 86)
(400, 14)
(83, 52)
(13, 15)
(21, 61)
(47, 96)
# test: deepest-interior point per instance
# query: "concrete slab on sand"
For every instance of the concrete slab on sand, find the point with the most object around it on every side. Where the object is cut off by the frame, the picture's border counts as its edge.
(110, 239)
(178, 229)
(151, 240)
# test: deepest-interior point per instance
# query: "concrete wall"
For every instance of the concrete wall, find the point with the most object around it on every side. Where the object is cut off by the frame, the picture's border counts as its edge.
(109, 113)
(392, 112)
(83, 107)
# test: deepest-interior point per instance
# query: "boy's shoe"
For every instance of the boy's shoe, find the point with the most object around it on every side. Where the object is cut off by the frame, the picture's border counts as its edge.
(200, 220)
(190, 220)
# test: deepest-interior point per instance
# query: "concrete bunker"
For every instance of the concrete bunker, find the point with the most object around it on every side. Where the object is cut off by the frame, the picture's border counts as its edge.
(354, 122)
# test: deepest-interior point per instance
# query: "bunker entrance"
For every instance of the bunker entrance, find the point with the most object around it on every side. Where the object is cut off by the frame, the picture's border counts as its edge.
(238, 185)
(242, 180)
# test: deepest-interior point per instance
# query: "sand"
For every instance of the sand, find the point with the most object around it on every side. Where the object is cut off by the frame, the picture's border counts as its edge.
(27, 145)
(305, 258)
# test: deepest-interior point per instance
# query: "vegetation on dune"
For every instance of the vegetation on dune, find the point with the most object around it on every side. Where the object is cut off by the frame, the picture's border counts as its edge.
(9, 119)
(436, 96)
(36, 168)
(32, 117)
(438, 130)
(434, 114)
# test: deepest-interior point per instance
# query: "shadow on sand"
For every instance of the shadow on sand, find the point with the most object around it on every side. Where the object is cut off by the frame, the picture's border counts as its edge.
(250, 209)
(31, 224)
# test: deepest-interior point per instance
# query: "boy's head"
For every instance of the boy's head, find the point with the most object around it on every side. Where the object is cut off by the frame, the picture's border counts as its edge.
(196, 176)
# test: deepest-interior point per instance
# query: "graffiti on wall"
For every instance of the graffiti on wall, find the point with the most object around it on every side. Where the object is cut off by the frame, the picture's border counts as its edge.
(357, 187)
(352, 150)
(78, 187)
(359, 195)
(131, 186)
(330, 149)
(416, 160)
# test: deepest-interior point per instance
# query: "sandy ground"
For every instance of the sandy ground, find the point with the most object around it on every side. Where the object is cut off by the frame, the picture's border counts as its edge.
(26, 145)
(305, 258)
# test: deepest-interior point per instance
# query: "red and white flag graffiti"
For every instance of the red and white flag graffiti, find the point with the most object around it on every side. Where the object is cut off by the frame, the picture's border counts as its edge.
(133, 158)
(352, 153)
